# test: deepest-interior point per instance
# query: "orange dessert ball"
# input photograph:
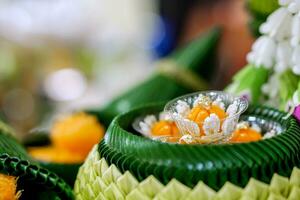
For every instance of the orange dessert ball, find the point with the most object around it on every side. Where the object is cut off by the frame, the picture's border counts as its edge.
(54, 154)
(218, 111)
(245, 135)
(8, 188)
(77, 133)
(198, 114)
(164, 128)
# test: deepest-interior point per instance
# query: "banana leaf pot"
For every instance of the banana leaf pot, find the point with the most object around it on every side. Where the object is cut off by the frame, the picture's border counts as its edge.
(151, 169)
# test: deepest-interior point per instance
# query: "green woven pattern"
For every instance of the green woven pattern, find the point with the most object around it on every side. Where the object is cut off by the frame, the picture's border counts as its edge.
(160, 87)
(34, 175)
(36, 182)
(214, 164)
(99, 180)
(66, 171)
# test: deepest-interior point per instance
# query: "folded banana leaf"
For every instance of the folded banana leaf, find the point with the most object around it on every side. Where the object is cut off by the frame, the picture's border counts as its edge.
(185, 71)
(213, 164)
(248, 82)
(288, 84)
(100, 179)
(34, 181)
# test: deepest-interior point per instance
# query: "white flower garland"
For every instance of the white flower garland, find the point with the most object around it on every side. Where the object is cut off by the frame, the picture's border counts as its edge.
(279, 46)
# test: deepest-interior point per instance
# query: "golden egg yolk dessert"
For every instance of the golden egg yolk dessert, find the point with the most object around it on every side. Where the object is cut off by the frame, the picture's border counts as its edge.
(8, 188)
(164, 128)
(77, 133)
(245, 135)
(72, 138)
(55, 154)
(218, 111)
(199, 113)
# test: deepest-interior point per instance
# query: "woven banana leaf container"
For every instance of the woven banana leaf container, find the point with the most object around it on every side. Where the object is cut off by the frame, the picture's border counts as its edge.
(186, 70)
(126, 165)
(66, 171)
(34, 181)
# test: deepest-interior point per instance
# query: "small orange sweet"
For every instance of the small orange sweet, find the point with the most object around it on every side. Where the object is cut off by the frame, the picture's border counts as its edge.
(198, 114)
(172, 139)
(164, 128)
(77, 133)
(218, 111)
(55, 154)
(8, 188)
(245, 135)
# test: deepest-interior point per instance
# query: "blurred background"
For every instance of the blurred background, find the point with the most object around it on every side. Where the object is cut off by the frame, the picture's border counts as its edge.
(61, 55)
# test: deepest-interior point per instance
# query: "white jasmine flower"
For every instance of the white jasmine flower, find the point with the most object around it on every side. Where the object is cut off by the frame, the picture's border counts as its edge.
(150, 120)
(296, 60)
(232, 108)
(263, 52)
(256, 128)
(186, 138)
(242, 125)
(147, 124)
(259, 43)
(228, 126)
(211, 124)
(294, 6)
(182, 108)
(145, 128)
(271, 88)
(186, 126)
(218, 102)
(165, 116)
(254, 55)
(278, 24)
(295, 39)
(283, 56)
(296, 69)
(284, 2)
(269, 134)
(250, 57)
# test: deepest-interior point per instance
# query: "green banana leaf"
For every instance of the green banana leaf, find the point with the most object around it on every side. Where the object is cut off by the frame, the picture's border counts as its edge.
(191, 63)
(34, 181)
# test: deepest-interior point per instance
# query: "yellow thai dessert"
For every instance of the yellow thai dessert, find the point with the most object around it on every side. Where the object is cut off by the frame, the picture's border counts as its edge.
(202, 119)
(164, 128)
(72, 137)
(8, 188)
(55, 154)
(77, 133)
(245, 133)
